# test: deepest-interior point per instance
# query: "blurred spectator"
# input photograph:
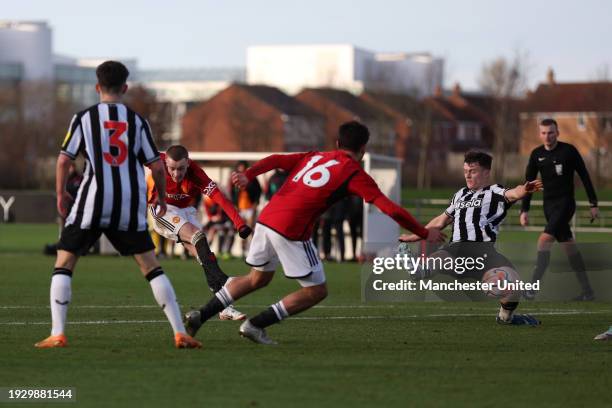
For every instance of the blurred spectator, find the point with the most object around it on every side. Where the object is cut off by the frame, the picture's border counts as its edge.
(355, 220)
(334, 218)
(246, 200)
(275, 183)
(72, 187)
(220, 226)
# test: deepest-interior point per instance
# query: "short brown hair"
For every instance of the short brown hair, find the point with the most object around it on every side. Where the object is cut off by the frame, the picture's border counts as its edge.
(549, 122)
(483, 159)
(177, 152)
(112, 75)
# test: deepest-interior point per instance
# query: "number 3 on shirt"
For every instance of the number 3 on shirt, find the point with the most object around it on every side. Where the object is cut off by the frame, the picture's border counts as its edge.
(315, 177)
(116, 130)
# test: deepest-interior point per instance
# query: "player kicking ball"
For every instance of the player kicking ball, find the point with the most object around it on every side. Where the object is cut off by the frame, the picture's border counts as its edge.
(316, 180)
(476, 211)
(185, 181)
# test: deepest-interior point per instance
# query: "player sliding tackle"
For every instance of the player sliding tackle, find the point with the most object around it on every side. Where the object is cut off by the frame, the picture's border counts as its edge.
(283, 232)
(476, 211)
(185, 181)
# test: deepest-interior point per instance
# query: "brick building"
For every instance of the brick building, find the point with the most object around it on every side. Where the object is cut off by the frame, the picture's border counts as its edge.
(252, 118)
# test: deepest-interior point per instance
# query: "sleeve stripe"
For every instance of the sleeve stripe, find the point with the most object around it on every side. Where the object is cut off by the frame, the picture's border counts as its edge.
(72, 156)
(74, 137)
(156, 158)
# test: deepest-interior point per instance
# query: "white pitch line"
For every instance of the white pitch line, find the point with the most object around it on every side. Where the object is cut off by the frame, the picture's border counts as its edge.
(398, 306)
(9, 307)
(404, 317)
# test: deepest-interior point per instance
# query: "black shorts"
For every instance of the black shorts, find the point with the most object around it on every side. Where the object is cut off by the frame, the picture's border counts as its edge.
(485, 250)
(559, 213)
(78, 241)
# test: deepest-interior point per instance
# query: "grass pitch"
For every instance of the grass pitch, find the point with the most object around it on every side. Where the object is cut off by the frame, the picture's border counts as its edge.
(341, 354)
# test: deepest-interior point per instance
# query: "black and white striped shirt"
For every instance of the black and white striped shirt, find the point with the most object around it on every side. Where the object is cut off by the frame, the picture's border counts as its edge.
(116, 143)
(477, 214)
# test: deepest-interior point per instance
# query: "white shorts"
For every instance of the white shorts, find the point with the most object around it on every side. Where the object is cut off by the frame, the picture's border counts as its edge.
(170, 224)
(300, 259)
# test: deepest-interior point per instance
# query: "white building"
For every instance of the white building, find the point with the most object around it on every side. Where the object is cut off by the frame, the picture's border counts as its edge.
(188, 84)
(342, 66)
(28, 44)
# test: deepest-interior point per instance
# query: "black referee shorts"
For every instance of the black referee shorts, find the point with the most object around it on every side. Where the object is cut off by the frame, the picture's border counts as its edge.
(486, 250)
(78, 241)
(559, 213)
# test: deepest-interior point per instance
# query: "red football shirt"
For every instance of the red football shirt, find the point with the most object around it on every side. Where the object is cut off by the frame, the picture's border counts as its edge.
(315, 182)
(195, 182)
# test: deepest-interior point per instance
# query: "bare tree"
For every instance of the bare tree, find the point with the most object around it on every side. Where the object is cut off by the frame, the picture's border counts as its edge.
(602, 73)
(504, 80)
(159, 114)
(32, 126)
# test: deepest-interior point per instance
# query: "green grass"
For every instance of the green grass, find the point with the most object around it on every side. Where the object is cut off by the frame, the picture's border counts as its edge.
(342, 354)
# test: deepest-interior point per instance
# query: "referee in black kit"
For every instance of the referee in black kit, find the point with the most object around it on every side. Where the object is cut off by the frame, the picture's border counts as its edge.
(556, 162)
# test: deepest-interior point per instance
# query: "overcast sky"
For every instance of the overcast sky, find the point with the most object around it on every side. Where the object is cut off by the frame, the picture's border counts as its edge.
(575, 38)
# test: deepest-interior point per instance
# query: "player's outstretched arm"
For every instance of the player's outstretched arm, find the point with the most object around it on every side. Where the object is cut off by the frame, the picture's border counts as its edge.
(406, 220)
(440, 222)
(274, 161)
(158, 172)
(521, 191)
(61, 176)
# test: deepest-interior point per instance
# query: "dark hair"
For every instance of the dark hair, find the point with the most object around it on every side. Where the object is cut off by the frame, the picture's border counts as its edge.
(112, 75)
(352, 136)
(549, 122)
(482, 158)
(243, 163)
(177, 152)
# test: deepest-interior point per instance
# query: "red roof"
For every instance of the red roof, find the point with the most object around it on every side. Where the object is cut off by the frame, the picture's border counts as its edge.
(571, 97)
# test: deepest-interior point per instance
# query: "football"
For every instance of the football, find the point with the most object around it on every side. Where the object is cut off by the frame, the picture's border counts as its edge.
(499, 279)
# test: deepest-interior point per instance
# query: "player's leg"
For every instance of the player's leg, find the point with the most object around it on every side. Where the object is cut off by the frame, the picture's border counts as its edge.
(433, 263)
(60, 297)
(196, 242)
(73, 242)
(139, 245)
(229, 313)
(577, 264)
(545, 242)
(300, 261)
(263, 261)
(164, 294)
(235, 288)
(499, 270)
(292, 304)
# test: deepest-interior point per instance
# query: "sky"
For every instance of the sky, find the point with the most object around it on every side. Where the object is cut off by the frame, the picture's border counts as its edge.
(574, 38)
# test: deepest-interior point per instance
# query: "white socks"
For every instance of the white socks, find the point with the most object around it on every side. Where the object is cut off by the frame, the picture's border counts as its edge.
(166, 299)
(504, 314)
(60, 296)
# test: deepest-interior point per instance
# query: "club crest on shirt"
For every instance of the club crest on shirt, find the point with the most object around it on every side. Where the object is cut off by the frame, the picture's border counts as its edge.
(177, 196)
(176, 219)
(559, 169)
(469, 204)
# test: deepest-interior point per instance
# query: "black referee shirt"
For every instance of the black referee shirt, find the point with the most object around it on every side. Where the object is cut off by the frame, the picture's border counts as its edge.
(557, 167)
